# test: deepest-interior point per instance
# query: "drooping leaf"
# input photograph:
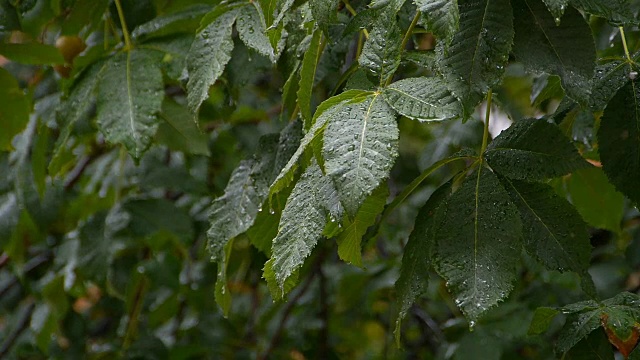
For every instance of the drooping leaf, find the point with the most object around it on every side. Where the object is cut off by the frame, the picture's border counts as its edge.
(416, 261)
(32, 53)
(618, 12)
(556, 7)
(209, 54)
(553, 230)
(323, 113)
(184, 21)
(533, 150)
(360, 147)
(566, 50)
(307, 77)
(179, 131)
(301, 224)
(542, 320)
(14, 112)
(477, 243)
(222, 293)
(381, 52)
(278, 292)
(424, 98)
(619, 141)
(596, 199)
(252, 31)
(130, 93)
(349, 239)
(440, 17)
(479, 51)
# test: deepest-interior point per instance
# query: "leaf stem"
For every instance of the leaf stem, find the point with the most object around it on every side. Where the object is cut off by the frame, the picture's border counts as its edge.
(624, 44)
(125, 31)
(353, 12)
(405, 40)
(485, 135)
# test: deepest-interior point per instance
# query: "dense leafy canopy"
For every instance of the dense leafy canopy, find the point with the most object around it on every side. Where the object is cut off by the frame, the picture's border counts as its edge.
(329, 172)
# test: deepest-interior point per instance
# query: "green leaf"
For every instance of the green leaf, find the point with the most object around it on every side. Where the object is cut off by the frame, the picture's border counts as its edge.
(360, 147)
(222, 293)
(14, 112)
(307, 77)
(477, 243)
(556, 7)
(323, 113)
(596, 199)
(479, 51)
(32, 54)
(324, 12)
(209, 54)
(608, 79)
(130, 94)
(83, 13)
(301, 225)
(577, 327)
(553, 230)
(184, 21)
(423, 98)
(441, 17)
(278, 293)
(381, 53)
(251, 29)
(416, 261)
(593, 347)
(618, 12)
(542, 320)
(533, 150)
(179, 131)
(349, 248)
(619, 141)
(566, 50)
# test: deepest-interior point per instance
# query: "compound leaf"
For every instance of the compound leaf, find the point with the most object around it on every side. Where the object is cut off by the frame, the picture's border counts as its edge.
(423, 98)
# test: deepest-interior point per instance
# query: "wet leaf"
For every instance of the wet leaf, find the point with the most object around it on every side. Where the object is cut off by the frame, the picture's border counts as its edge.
(14, 113)
(425, 99)
(440, 16)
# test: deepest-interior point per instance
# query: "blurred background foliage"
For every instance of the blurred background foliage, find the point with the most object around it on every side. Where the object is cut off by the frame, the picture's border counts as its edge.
(106, 258)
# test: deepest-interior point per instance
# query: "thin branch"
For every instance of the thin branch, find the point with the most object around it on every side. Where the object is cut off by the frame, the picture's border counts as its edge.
(485, 136)
(624, 45)
(125, 31)
(405, 40)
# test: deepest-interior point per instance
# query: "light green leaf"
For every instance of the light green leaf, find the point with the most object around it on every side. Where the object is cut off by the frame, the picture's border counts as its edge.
(179, 131)
(349, 239)
(209, 54)
(533, 150)
(321, 117)
(553, 230)
(76, 106)
(277, 292)
(381, 53)
(618, 12)
(479, 51)
(130, 93)
(566, 50)
(441, 17)
(184, 21)
(222, 293)
(478, 243)
(416, 261)
(307, 77)
(423, 98)
(301, 225)
(596, 199)
(542, 320)
(32, 53)
(360, 147)
(619, 141)
(252, 31)
(14, 112)
(556, 7)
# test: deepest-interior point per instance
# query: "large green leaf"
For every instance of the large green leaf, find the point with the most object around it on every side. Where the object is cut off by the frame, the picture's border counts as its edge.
(596, 199)
(14, 112)
(566, 50)
(619, 141)
(130, 93)
(553, 230)
(440, 17)
(477, 243)
(303, 219)
(349, 239)
(479, 51)
(416, 261)
(533, 150)
(381, 52)
(618, 12)
(252, 31)
(323, 113)
(608, 79)
(423, 98)
(209, 54)
(307, 77)
(360, 147)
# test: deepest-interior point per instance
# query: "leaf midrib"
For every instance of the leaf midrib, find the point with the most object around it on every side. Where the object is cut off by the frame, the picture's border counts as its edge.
(130, 102)
(539, 24)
